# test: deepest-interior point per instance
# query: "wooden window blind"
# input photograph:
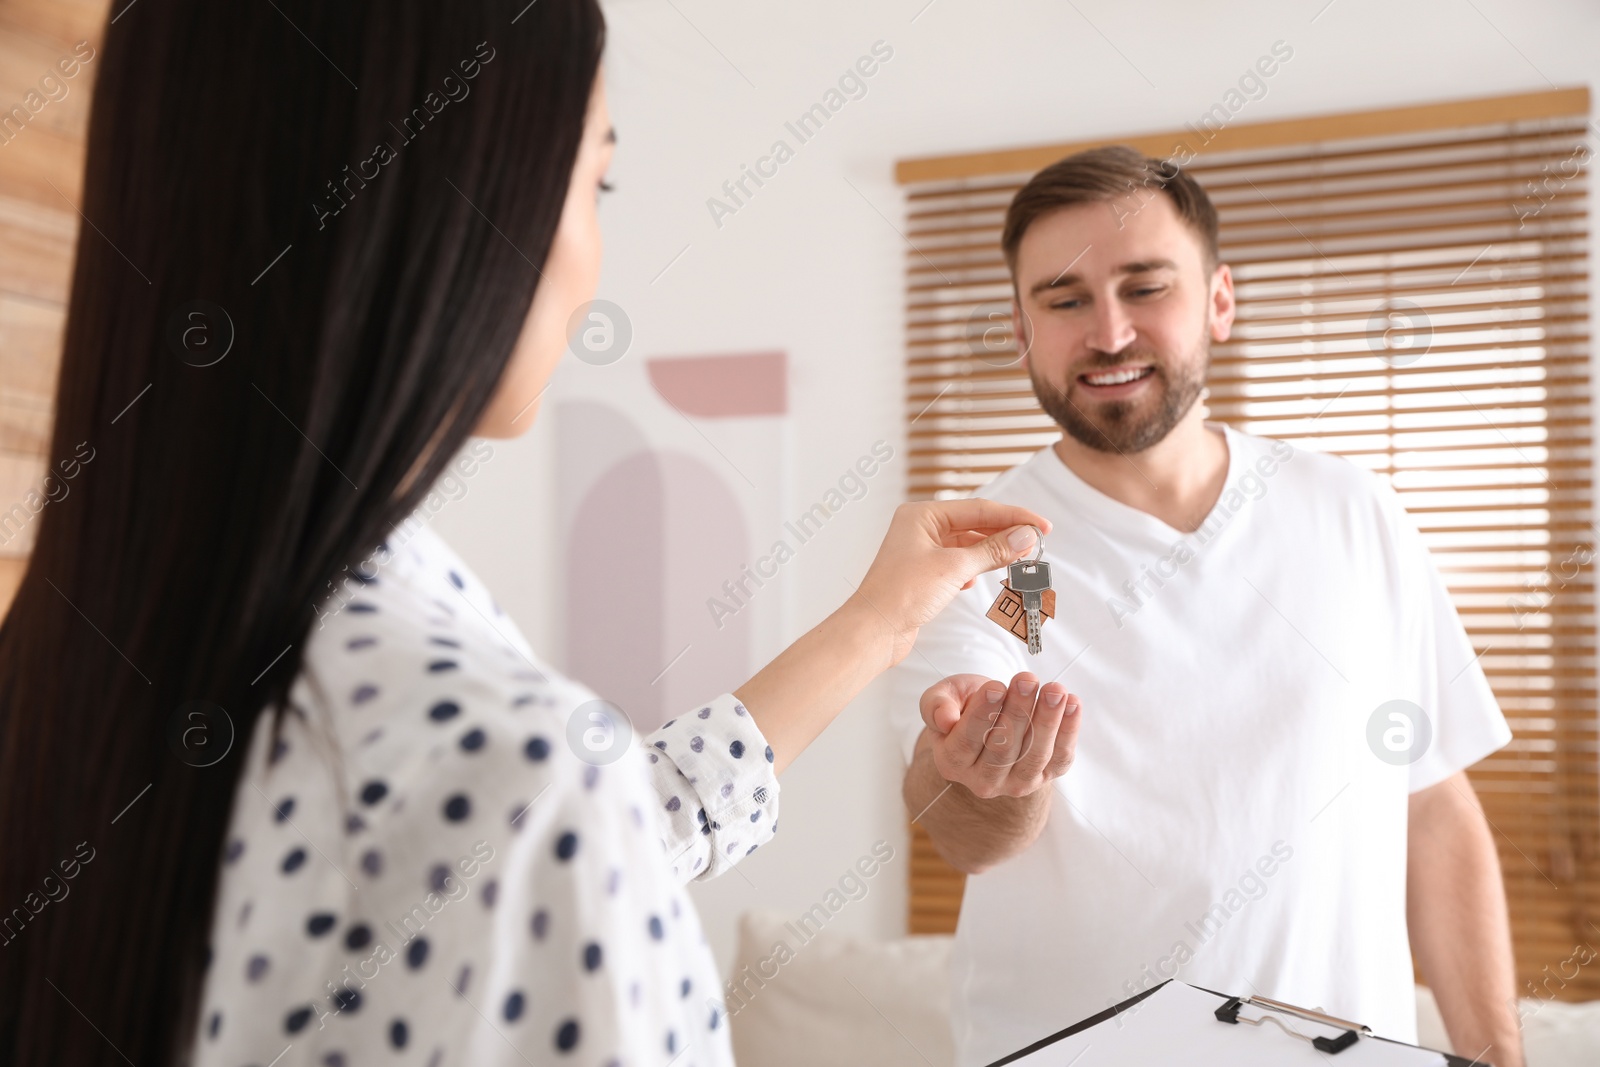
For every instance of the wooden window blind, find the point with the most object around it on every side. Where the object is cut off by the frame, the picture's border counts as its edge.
(1413, 294)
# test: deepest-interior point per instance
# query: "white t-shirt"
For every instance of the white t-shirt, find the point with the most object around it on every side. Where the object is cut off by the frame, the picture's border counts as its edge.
(1236, 814)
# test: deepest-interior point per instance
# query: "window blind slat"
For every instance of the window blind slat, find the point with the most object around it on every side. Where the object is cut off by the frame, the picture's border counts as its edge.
(1293, 272)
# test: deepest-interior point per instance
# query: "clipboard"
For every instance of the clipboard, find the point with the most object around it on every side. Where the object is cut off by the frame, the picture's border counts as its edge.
(1219, 1010)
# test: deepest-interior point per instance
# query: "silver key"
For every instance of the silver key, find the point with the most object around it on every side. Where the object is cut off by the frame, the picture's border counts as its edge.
(1031, 578)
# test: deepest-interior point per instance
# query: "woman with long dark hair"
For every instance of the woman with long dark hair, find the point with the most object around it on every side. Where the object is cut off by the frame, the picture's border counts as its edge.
(278, 781)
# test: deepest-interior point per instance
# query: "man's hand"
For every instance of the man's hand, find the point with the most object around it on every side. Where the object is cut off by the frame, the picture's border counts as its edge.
(975, 781)
(1000, 742)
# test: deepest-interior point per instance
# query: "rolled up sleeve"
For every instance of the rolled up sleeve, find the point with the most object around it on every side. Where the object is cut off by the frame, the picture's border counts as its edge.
(713, 774)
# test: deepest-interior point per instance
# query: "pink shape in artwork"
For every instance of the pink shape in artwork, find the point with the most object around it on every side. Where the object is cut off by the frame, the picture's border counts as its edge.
(616, 554)
(648, 544)
(723, 386)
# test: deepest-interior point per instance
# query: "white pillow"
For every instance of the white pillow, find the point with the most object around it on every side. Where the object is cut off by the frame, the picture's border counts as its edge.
(829, 998)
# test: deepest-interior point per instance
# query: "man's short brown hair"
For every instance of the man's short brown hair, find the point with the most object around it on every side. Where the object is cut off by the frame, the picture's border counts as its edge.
(1101, 175)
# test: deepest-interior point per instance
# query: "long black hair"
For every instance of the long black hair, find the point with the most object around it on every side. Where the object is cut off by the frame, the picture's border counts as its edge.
(310, 249)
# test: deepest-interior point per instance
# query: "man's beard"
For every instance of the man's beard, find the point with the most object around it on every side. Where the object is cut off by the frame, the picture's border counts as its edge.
(1120, 426)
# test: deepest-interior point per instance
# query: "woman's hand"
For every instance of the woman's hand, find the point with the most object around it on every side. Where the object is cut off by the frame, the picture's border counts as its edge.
(931, 553)
(933, 550)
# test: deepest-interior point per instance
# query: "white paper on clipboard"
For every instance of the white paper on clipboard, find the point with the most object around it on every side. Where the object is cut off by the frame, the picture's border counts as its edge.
(1177, 1024)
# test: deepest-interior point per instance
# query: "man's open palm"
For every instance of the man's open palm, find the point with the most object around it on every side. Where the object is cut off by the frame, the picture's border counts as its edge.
(999, 741)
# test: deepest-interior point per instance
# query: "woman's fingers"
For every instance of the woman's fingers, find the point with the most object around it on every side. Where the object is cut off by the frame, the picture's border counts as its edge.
(997, 550)
(985, 516)
(933, 550)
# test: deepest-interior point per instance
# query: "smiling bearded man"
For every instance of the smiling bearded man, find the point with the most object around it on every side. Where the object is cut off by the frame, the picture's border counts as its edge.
(1124, 425)
(1252, 626)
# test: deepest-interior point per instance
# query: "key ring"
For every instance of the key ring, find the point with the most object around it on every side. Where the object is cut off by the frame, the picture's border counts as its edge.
(1039, 546)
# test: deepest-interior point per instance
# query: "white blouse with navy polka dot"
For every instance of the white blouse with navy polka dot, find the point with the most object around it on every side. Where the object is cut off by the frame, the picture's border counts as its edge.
(422, 869)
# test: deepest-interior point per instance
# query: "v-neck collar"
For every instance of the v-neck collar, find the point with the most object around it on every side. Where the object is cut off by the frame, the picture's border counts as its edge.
(1107, 511)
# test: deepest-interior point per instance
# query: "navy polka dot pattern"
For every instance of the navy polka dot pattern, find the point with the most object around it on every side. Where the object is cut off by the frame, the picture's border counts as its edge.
(710, 790)
(428, 763)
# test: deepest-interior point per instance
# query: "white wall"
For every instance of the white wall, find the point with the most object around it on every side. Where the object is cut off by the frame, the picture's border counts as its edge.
(815, 267)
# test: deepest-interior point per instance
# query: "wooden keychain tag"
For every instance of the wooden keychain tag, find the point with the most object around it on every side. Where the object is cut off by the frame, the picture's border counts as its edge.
(1007, 611)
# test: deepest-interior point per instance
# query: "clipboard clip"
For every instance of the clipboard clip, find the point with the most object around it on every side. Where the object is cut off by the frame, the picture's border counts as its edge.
(1229, 1013)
